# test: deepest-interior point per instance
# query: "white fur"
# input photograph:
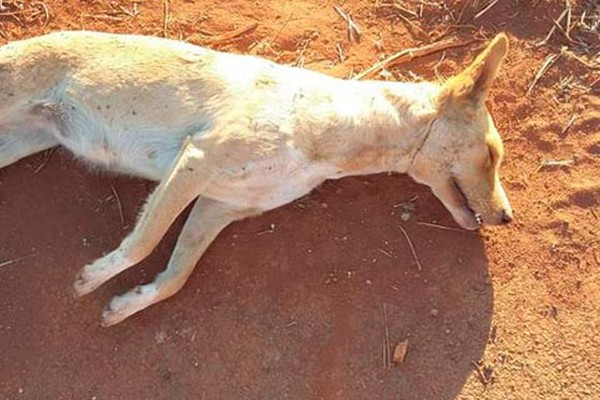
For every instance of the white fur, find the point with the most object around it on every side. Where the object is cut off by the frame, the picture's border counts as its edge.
(238, 135)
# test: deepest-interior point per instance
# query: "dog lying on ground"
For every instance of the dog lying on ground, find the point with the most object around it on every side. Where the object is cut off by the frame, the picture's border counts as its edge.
(238, 135)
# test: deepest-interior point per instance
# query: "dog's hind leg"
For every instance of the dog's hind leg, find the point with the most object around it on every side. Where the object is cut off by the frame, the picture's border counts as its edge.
(206, 220)
(187, 178)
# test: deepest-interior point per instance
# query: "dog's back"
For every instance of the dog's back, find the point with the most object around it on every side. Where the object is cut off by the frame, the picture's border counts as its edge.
(126, 102)
(108, 98)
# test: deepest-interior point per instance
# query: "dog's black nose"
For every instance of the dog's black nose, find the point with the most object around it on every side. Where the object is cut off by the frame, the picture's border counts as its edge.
(506, 217)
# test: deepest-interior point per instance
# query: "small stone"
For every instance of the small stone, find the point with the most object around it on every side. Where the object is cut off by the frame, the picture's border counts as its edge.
(400, 352)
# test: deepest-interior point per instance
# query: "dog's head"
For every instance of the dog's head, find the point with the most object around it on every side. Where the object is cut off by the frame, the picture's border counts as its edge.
(461, 154)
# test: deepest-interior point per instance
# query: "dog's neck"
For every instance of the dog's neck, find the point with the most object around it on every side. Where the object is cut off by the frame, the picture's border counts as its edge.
(376, 127)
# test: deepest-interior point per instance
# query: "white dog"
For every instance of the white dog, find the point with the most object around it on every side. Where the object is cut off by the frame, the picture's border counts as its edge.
(238, 135)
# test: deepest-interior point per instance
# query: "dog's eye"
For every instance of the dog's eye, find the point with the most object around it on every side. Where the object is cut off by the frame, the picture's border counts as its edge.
(491, 157)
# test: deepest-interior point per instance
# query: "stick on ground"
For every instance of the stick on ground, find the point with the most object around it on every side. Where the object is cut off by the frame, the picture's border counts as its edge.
(407, 55)
(353, 29)
(45, 11)
(412, 248)
(289, 18)
(550, 59)
(15, 260)
(166, 18)
(568, 125)
(119, 204)
(226, 37)
(486, 8)
(552, 29)
(387, 361)
(443, 227)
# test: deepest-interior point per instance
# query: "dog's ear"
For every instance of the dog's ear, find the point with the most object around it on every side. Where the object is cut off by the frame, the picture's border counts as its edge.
(474, 83)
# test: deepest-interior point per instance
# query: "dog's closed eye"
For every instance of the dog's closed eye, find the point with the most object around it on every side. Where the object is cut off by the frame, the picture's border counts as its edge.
(492, 158)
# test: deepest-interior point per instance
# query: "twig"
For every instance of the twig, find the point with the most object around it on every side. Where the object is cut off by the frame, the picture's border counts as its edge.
(415, 26)
(568, 26)
(399, 8)
(102, 17)
(486, 8)
(550, 59)
(384, 355)
(412, 200)
(566, 52)
(353, 29)
(385, 252)
(15, 13)
(3, 31)
(119, 204)
(46, 12)
(562, 30)
(15, 260)
(437, 65)
(407, 55)
(387, 362)
(568, 125)
(289, 18)
(412, 248)
(340, 52)
(482, 376)
(446, 228)
(552, 29)
(270, 230)
(134, 12)
(233, 34)
(165, 18)
(555, 164)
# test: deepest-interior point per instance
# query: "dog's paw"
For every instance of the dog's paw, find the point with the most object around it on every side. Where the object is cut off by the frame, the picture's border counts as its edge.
(88, 280)
(95, 274)
(124, 306)
(83, 284)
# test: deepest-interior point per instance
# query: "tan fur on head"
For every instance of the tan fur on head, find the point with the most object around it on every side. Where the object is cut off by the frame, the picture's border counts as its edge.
(460, 161)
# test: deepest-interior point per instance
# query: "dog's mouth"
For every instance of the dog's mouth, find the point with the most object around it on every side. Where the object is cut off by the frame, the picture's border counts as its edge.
(465, 200)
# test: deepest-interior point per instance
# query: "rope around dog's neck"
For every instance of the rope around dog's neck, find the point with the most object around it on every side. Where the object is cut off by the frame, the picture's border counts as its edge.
(425, 137)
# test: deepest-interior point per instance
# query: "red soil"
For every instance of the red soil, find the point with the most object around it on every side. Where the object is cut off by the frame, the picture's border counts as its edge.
(296, 312)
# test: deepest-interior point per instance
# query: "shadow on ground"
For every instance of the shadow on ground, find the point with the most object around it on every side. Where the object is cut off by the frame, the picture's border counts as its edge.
(292, 312)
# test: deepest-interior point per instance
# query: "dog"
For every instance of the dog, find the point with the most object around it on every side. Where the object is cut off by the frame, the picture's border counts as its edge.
(238, 135)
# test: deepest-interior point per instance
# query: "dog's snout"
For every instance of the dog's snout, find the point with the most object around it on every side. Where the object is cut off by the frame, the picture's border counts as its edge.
(507, 217)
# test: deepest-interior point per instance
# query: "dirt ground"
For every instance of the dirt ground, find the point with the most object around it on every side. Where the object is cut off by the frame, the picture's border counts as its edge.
(301, 302)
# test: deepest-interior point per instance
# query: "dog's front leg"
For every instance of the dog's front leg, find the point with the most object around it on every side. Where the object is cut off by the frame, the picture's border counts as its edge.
(206, 220)
(187, 178)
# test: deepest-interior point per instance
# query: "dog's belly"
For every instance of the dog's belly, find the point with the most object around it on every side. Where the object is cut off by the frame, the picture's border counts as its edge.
(139, 154)
(269, 188)
(143, 151)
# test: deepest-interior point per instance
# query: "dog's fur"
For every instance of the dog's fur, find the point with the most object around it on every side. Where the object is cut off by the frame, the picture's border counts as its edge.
(238, 135)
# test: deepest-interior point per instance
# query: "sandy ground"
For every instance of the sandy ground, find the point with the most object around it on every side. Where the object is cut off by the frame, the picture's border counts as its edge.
(297, 303)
